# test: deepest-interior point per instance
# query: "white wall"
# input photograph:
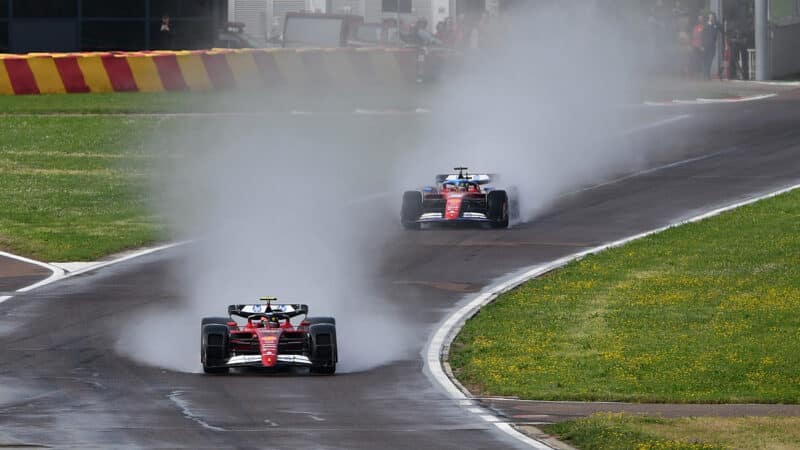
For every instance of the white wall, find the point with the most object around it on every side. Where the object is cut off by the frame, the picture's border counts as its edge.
(253, 13)
(784, 48)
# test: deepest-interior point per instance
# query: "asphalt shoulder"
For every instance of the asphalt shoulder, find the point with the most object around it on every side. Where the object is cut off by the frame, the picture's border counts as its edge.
(16, 274)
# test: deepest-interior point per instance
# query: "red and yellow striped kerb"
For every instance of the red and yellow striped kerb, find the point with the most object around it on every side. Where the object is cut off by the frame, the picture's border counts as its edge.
(201, 70)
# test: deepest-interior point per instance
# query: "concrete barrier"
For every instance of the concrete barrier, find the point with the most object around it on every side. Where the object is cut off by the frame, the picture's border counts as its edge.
(215, 69)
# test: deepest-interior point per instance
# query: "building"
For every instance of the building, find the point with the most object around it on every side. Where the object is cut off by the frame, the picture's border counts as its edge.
(86, 25)
(264, 18)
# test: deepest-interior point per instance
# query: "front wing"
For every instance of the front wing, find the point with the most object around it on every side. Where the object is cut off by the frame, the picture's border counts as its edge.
(257, 361)
(429, 217)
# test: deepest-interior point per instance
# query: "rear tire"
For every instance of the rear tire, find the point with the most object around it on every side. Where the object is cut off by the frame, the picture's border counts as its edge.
(214, 320)
(214, 347)
(411, 210)
(316, 320)
(497, 203)
(324, 351)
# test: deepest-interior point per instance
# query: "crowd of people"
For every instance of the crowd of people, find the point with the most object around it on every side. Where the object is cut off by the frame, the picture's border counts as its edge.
(687, 44)
(682, 41)
(461, 32)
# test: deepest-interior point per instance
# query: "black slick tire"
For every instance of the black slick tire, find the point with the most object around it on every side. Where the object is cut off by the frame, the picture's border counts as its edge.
(214, 351)
(324, 351)
(497, 205)
(316, 320)
(411, 210)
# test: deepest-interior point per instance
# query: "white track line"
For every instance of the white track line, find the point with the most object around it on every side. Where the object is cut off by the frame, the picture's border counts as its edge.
(652, 170)
(659, 123)
(59, 274)
(437, 350)
(707, 101)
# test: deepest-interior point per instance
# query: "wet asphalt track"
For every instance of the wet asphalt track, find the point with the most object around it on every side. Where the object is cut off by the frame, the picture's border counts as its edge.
(62, 385)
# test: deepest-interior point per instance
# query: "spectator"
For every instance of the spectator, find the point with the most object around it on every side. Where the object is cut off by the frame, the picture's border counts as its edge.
(166, 32)
(710, 33)
(697, 51)
(441, 31)
(739, 57)
(406, 33)
(423, 36)
(459, 27)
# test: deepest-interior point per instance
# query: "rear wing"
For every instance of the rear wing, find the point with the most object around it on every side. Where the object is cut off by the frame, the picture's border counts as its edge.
(281, 310)
(480, 178)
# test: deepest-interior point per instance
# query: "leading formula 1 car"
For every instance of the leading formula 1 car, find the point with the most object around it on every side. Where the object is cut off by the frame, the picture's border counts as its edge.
(458, 197)
(268, 339)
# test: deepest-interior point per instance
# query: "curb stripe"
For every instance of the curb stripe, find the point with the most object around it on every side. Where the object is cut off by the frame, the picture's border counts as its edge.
(94, 73)
(218, 71)
(314, 67)
(406, 63)
(194, 71)
(198, 70)
(386, 67)
(270, 73)
(5, 81)
(21, 76)
(244, 69)
(71, 74)
(340, 70)
(145, 73)
(44, 71)
(119, 73)
(170, 72)
(363, 67)
(292, 68)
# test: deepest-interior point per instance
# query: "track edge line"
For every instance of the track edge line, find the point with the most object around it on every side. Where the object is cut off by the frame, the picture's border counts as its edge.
(60, 274)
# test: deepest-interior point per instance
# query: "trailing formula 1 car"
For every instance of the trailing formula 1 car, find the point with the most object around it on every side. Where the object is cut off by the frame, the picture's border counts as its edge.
(458, 197)
(268, 339)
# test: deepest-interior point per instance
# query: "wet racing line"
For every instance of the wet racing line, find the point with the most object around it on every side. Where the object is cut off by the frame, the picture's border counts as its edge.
(392, 406)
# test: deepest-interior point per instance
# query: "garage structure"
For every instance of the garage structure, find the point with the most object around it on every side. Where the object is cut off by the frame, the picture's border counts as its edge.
(87, 25)
(263, 19)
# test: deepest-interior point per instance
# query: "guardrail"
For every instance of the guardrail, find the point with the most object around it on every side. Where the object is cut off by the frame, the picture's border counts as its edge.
(203, 70)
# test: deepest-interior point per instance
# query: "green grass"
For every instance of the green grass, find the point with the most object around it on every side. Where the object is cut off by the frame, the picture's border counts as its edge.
(625, 432)
(215, 101)
(706, 312)
(74, 188)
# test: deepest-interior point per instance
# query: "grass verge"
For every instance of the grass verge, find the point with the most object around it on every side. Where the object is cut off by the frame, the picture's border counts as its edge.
(626, 432)
(74, 188)
(214, 102)
(703, 313)
(77, 187)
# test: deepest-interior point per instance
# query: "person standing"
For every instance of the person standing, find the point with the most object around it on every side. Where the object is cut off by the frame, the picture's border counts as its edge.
(710, 34)
(739, 56)
(697, 56)
(166, 32)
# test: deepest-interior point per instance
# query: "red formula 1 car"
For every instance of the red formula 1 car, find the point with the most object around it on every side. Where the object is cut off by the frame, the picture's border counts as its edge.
(268, 339)
(459, 197)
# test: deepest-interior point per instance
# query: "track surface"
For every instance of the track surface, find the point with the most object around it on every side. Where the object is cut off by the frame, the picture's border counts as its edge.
(61, 383)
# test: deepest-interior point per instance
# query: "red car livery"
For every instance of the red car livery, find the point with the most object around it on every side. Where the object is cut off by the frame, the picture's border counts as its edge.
(458, 197)
(268, 338)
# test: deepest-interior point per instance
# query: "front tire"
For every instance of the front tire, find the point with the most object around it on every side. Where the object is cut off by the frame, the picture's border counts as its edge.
(411, 210)
(324, 351)
(214, 348)
(497, 203)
